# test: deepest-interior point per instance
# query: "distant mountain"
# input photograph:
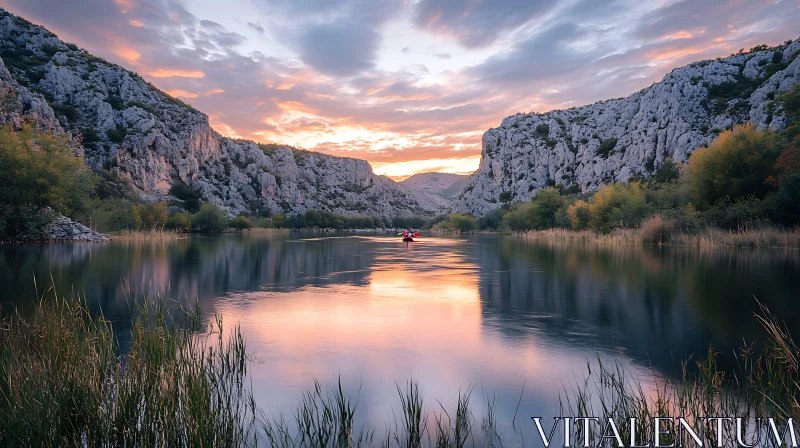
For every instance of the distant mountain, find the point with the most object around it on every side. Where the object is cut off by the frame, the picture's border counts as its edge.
(611, 141)
(125, 125)
(439, 190)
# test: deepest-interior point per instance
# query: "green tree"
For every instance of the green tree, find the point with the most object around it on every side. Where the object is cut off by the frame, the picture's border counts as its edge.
(38, 171)
(210, 218)
(240, 223)
(618, 205)
(734, 165)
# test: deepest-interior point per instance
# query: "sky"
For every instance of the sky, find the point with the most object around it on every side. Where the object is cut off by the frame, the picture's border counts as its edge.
(409, 85)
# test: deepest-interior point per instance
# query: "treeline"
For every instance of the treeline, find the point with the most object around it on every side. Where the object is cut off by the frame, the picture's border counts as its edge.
(41, 177)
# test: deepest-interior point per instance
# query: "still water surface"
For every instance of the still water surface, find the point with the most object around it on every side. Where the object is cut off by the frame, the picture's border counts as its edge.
(491, 312)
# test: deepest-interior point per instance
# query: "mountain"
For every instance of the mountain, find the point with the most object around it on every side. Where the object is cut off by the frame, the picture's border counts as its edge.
(125, 125)
(611, 141)
(439, 190)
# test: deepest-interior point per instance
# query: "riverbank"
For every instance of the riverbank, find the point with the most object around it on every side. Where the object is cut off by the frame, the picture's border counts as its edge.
(664, 235)
(65, 381)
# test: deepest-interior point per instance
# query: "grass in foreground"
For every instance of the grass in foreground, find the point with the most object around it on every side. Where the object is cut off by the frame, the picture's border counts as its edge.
(65, 382)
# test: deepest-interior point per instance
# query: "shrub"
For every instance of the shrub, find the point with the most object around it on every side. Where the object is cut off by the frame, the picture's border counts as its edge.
(117, 135)
(240, 223)
(735, 165)
(579, 215)
(67, 110)
(210, 218)
(492, 220)
(606, 146)
(657, 230)
(149, 215)
(617, 205)
(38, 171)
(538, 214)
(460, 222)
(668, 171)
(116, 102)
(180, 221)
(191, 198)
(90, 135)
(506, 196)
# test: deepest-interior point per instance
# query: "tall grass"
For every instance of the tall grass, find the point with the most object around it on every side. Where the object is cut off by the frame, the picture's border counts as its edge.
(765, 384)
(148, 235)
(657, 230)
(65, 381)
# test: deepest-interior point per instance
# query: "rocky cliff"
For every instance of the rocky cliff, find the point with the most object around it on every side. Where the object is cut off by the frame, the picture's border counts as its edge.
(123, 124)
(437, 190)
(611, 141)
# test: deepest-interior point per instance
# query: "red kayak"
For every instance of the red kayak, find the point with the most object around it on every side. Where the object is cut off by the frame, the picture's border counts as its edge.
(410, 236)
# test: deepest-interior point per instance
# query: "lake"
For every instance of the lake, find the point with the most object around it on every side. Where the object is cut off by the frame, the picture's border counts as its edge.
(496, 313)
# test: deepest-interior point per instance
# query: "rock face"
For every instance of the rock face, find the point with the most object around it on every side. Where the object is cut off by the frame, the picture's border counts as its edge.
(128, 126)
(436, 190)
(65, 229)
(62, 228)
(611, 141)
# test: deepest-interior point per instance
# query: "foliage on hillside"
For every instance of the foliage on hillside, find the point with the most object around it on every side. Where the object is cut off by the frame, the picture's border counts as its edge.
(743, 178)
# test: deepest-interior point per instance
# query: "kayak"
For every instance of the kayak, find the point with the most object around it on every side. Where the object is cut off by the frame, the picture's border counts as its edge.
(408, 239)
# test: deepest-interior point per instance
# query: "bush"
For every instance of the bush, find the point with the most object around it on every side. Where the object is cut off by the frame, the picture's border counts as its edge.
(90, 135)
(492, 220)
(656, 230)
(669, 171)
(191, 198)
(579, 215)
(149, 215)
(460, 222)
(606, 146)
(38, 171)
(538, 214)
(735, 165)
(617, 205)
(116, 102)
(210, 218)
(117, 135)
(240, 223)
(180, 221)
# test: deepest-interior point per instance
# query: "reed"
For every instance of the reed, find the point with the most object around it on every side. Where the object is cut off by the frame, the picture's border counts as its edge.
(64, 382)
(660, 231)
(148, 235)
(766, 383)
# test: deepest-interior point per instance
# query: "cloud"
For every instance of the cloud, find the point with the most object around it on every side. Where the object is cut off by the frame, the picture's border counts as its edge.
(339, 49)
(476, 23)
(256, 26)
(329, 75)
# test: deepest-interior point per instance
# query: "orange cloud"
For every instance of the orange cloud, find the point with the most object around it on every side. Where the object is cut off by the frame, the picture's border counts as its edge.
(136, 23)
(169, 73)
(128, 54)
(182, 93)
(679, 35)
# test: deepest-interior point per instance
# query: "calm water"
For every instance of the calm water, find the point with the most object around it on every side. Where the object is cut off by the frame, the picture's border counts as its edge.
(494, 312)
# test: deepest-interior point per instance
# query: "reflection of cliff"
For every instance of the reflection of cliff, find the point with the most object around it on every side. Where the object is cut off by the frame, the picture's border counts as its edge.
(199, 267)
(657, 304)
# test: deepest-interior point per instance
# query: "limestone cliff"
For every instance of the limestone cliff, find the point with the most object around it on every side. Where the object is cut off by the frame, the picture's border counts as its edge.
(436, 190)
(128, 126)
(584, 147)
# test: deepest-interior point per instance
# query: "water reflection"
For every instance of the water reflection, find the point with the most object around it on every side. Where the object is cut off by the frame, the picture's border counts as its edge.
(490, 311)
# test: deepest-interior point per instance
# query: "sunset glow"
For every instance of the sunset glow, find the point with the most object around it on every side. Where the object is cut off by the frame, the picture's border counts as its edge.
(408, 86)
